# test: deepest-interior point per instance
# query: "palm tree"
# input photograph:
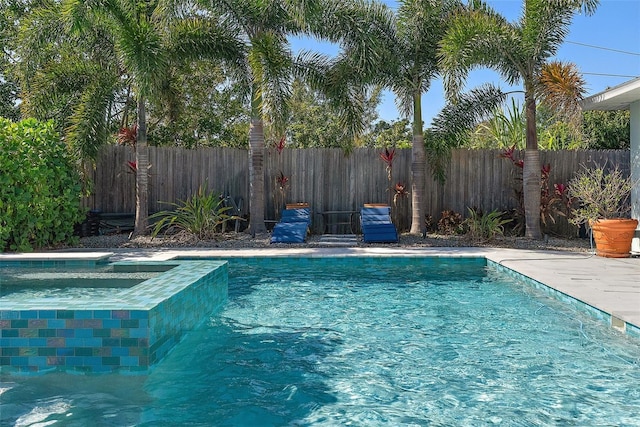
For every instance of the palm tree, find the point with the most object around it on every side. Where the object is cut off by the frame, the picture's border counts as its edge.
(520, 52)
(138, 37)
(421, 24)
(121, 45)
(398, 51)
(264, 26)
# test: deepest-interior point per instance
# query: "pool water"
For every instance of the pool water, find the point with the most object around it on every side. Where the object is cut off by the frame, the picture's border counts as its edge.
(437, 343)
(20, 283)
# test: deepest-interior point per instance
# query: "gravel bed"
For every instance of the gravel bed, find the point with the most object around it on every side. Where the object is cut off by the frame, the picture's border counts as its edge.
(245, 240)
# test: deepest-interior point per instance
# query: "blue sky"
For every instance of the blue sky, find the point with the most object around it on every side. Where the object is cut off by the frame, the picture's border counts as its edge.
(614, 27)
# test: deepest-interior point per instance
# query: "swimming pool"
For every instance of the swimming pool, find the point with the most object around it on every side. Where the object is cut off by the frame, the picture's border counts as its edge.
(382, 341)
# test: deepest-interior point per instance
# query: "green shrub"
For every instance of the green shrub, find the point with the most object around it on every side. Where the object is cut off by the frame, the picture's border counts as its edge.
(486, 226)
(202, 215)
(40, 187)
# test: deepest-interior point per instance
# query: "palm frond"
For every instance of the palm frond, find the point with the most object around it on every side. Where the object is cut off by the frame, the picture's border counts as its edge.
(451, 127)
(545, 25)
(274, 60)
(198, 37)
(337, 82)
(88, 129)
(561, 87)
(479, 37)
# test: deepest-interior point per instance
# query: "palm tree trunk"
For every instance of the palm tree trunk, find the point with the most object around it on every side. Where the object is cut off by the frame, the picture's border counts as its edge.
(531, 173)
(418, 170)
(142, 175)
(256, 176)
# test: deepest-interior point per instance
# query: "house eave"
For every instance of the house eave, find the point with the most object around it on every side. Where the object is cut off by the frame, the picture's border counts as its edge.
(616, 98)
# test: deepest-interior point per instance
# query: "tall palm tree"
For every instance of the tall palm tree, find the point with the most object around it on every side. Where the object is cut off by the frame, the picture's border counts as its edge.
(138, 37)
(520, 52)
(263, 25)
(421, 24)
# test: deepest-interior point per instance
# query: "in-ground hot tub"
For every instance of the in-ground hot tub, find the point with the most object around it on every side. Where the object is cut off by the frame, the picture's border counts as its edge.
(128, 325)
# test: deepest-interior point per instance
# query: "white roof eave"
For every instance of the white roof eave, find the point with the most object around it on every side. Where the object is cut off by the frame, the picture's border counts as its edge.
(616, 98)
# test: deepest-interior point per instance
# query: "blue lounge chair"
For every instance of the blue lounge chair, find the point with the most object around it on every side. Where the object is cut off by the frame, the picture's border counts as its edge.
(377, 226)
(293, 226)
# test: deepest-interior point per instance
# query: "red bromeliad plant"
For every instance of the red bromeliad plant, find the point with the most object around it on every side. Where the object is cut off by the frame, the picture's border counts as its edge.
(280, 145)
(548, 199)
(509, 154)
(400, 192)
(387, 158)
(562, 193)
(128, 136)
(280, 196)
(282, 181)
(133, 166)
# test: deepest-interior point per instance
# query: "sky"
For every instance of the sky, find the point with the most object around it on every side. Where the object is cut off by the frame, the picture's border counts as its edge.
(605, 46)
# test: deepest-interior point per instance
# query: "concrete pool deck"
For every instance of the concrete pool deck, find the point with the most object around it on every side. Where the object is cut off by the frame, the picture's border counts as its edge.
(611, 285)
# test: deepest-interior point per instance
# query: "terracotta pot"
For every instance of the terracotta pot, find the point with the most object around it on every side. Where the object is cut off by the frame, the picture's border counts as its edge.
(613, 237)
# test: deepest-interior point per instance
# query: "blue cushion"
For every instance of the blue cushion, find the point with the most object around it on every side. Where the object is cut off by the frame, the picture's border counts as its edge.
(296, 215)
(289, 232)
(377, 226)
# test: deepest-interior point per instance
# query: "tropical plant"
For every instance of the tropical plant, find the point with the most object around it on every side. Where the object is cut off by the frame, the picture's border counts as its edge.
(503, 129)
(40, 188)
(68, 77)
(507, 128)
(482, 226)
(553, 203)
(400, 192)
(380, 48)
(387, 157)
(600, 193)
(11, 12)
(520, 52)
(280, 194)
(263, 27)
(203, 215)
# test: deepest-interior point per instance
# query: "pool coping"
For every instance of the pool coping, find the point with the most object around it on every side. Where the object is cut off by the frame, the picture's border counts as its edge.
(609, 285)
(86, 258)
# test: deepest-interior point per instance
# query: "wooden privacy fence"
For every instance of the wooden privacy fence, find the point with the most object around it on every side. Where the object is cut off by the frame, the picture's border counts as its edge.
(328, 179)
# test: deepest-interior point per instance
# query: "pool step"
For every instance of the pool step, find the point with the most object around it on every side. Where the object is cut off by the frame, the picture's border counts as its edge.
(338, 240)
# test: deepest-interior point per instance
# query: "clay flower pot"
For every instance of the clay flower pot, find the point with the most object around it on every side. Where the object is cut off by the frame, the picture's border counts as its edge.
(613, 236)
